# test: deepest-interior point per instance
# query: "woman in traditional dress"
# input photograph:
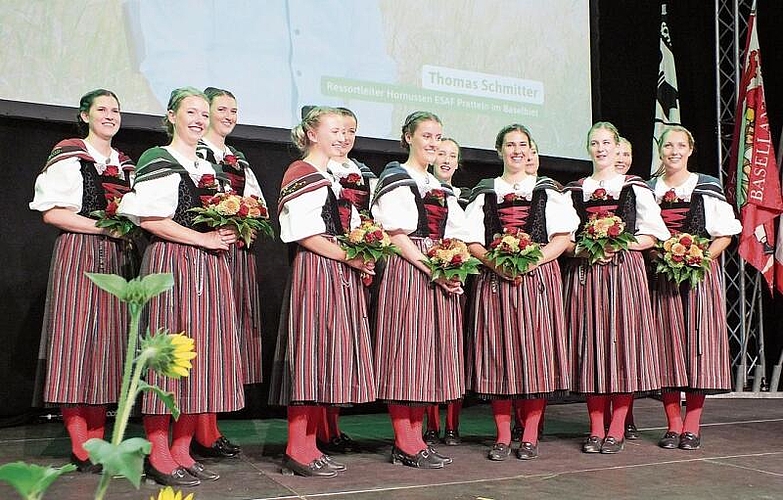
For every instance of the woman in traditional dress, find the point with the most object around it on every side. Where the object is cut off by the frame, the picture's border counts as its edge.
(518, 337)
(85, 329)
(691, 320)
(613, 340)
(418, 350)
(323, 354)
(209, 440)
(170, 181)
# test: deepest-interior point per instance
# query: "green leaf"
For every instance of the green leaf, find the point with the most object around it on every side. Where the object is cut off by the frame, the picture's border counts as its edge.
(166, 397)
(30, 480)
(155, 284)
(112, 283)
(125, 459)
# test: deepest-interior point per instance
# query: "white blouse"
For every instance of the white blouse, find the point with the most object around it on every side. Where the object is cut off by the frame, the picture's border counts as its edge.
(718, 215)
(648, 213)
(561, 217)
(61, 185)
(397, 211)
(252, 186)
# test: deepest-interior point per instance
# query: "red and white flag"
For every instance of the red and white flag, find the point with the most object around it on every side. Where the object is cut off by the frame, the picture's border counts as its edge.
(753, 185)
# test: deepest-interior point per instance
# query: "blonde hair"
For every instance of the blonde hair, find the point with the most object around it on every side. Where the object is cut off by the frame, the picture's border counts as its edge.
(175, 100)
(310, 122)
(668, 130)
(625, 141)
(603, 126)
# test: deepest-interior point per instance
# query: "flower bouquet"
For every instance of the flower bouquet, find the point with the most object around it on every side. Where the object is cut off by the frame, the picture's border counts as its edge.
(513, 252)
(449, 258)
(118, 225)
(246, 213)
(684, 257)
(603, 231)
(352, 181)
(368, 241)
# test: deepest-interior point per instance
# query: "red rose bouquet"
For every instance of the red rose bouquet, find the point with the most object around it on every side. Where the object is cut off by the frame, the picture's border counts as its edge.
(449, 258)
(670, 196)
(351, 181)
(513, 252)
(230, 160)
(118, 225)
(603, 231)
(246, 213)
(600, 194)
(684, 257)
(436, 195)
(208, 181)
(370, 242)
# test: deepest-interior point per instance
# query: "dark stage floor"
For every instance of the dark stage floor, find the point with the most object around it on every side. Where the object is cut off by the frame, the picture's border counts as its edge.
(741, 458)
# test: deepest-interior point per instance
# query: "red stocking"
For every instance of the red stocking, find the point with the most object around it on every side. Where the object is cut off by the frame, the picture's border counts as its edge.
(518, 416)
(207, 431)
(629, 415)
(501, 411)
(607, 414)
(620, 404)
(76, 425)
(96, 421)
(298, 447)
(533, 410)
(416, 417)
(452, 415)
(333, 421)
(401, 423)
(314, 421)
(596, 408)
(182, 434)
(694, 404)
(323, 432)
(671, 405)
(433, 417)
(157, 429)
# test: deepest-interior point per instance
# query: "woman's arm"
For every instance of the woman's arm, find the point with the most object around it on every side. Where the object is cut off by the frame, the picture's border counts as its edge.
(68, 220)
(412, 254)
(718, 245)
(326, 248)
(165, 228)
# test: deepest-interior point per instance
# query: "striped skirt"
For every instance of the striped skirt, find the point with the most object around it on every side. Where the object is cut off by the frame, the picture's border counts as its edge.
(613, 344)
(85, 330)
(242, 263)
(418, 351)
(695, 341)
(323, 353)
(518, 339)
(201, 305)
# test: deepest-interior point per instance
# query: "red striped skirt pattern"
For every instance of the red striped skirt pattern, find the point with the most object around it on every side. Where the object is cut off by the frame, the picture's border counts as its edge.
(85, 330)
(323, 353)
(418, 351)
(612, 340)
(201, 305)
(667, 308)
(703, 347)
(243, 271)
(518, 336)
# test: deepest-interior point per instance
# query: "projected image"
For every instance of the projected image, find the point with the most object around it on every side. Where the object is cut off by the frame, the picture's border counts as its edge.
(479, 64)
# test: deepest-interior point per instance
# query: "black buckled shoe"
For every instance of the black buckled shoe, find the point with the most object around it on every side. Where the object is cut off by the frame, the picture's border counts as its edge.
(592, 445)
(443, 458)
(451, 438)
(689, 441)
(316, 468)
(198, 470)
(612, 445)
(669, 441)
(338, 444)
(333, 464)
(527, 451)
(499, 452)
(631, 432)
(516, 433)
(85, 465)
(178, 477)
(421, 460)
(221, 448)
(431, 437)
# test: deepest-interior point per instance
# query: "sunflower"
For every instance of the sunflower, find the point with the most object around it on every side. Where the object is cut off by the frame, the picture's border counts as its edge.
(168, 493)
(169, 354)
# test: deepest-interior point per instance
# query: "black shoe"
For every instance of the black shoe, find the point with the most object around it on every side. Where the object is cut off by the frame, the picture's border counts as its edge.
(669, 441)
(689, 441)
(198, 470)
(338, 444)
(431, 437)
(316, 468)
(443, 458)
(422, 460)
(631, 432)
(178, 477)
(85, 465)
(333, 464)
(499, 452)
(527, 451)
(516, 433)
(592, 445)
(612, 445)
(451, 438)
(222, 448)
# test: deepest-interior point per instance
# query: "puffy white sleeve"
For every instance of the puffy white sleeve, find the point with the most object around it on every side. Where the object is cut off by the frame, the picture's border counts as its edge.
(561, 216)
(153, 198)
(396, 210)
(648, 215)
(252, 186)
(719, 218)
(474, 221)
(455, 221)
(301, 217)
(60, 185)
